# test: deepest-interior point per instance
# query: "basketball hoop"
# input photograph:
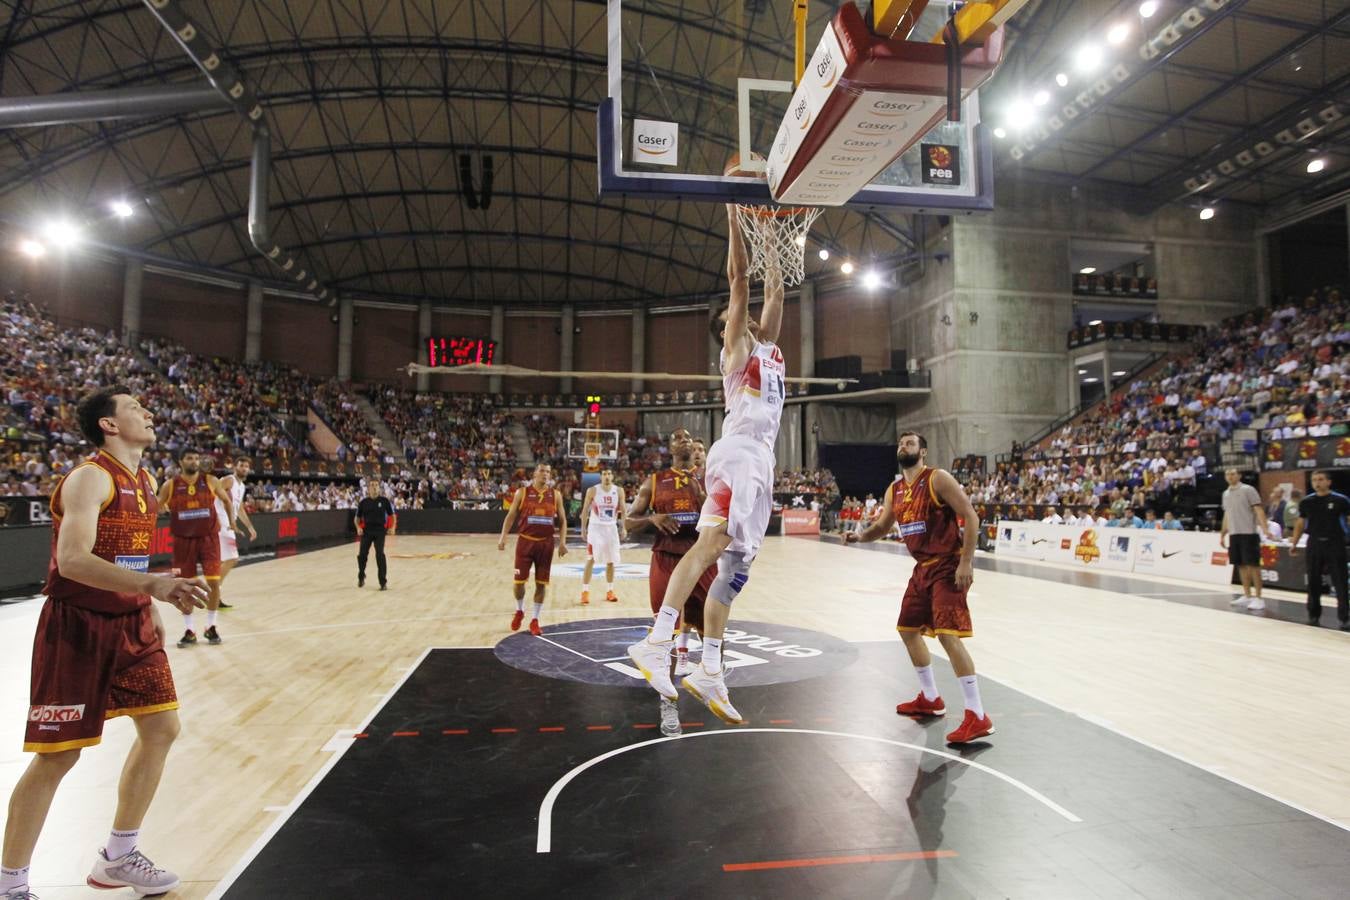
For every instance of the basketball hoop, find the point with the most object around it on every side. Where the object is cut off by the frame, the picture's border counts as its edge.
(591, 452)
(777, 232)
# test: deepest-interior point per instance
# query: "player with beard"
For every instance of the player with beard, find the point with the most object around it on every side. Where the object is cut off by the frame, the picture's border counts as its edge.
(931, 509)
(669, 502)
(190, 497)
(541, 505)
(233, 484)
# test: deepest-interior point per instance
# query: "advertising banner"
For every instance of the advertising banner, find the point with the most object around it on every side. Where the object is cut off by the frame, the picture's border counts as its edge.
(801, 521)
(1193, 555)
(1306, 453)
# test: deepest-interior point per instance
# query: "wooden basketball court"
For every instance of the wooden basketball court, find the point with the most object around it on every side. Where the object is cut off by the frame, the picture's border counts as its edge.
(1216, 700)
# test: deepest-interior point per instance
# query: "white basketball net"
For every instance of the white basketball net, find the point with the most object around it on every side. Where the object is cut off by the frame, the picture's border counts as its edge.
(777, 232)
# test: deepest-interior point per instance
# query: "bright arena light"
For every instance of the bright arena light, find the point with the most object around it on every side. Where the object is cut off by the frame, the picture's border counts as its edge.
(872, 280)
(1095, 322)
(846, 268)
(1000, 133)
(824, 254)
(1207, 213)
(30, 247)
(1148, 8)
(61, 233)
(1316, 166)
(122, 209)
(1020, 115)
(801, 240)
(1087, 270)
(1062, 79)
(1119, 373)
(1088, 58)
(1082, 371)
(1091, 380)
(1117, 35)
(1041, 98)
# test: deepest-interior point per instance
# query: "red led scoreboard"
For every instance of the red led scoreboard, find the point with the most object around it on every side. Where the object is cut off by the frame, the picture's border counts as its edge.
(460, 351)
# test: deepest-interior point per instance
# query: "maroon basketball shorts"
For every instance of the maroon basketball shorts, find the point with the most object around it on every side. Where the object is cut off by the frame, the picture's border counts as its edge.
(933, 604)
(662, 565)
(538, 553)
(189, 552)
(88, 667)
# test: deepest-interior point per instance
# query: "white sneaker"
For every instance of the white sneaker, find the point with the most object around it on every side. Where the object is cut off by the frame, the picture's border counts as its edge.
(682, 665)
(1240, 600)
(19, 893)
(1257, 604)
(133, 871)
(712, 691)
(670, 718)
(653, 660)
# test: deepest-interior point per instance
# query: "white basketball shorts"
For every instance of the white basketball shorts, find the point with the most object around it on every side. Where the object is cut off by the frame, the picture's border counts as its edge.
(602, 544)
(739, 480)
(229, 545)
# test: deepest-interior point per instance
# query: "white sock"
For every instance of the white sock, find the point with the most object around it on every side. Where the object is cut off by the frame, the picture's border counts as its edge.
(682, 641)
(609, 586)
(664, 629)
(927, 683)
(120, 843)
(210, 618)
(712, 655)
(13, 878)
(971, 691)
(187, 621)
(538, 608)
(520, 604)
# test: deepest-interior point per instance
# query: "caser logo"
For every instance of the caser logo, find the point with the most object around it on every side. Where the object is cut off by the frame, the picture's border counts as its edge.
(864, 144)
(895, 107)
(56, 713)
(802, 114)
(827, 70)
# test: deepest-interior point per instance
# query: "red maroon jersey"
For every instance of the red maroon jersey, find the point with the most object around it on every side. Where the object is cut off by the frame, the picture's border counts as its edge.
(927, 525)
(126, 523)
(676, 493)
(538, 513)
(192, 507)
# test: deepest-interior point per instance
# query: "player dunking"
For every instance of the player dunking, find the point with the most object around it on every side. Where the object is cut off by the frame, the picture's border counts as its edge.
(99, 648)
(192, 497)
(674, 497)
(233, 485)
(739, 481)
(602, 528)
(541, 506)
(927, 503)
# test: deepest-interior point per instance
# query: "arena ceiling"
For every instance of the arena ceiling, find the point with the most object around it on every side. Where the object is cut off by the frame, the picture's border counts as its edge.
(371, 104)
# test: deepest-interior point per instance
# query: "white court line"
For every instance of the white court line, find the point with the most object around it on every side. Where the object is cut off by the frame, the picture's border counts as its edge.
(544, 841)
(589, 630)
(289, 810)
(568, 649)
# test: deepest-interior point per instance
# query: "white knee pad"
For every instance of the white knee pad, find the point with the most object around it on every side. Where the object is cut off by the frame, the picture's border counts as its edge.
(733, 571)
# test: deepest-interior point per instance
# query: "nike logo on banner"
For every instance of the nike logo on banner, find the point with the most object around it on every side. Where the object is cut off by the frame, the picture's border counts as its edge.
(1039, 541)
(1167, 555)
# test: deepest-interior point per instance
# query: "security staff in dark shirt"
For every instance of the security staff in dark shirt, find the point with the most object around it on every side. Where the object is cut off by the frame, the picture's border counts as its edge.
(1323, 514)
(374, 518)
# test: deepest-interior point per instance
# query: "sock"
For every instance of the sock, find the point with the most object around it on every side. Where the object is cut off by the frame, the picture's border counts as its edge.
(927, 683)
(712, 655)
(13, 878)
(120, 843)
(187, 621)
(971, 691)
(682, 641)
(538, 608)
(609, 586)
(520, 604)
(664, 629)
(210, 618)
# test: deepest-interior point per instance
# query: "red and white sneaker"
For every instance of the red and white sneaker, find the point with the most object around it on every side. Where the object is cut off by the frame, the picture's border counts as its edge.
(534, 627)
(517, 619)
(585, 598)
(972, 728)
(922, 706)
(682, 666)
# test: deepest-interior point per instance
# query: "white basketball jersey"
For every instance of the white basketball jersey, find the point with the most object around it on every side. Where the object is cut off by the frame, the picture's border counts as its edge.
(605, 506)
(754, 395)
(236, 498)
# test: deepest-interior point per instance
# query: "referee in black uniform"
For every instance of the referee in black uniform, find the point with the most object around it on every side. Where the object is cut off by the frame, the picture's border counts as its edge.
(1323, 513)
(374, 518)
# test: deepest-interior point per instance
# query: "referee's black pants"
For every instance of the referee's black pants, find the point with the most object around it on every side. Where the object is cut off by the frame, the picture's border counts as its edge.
(368, 537)
(1327, 556)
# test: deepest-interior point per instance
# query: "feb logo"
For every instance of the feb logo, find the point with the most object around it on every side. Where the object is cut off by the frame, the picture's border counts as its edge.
(1307, 449)
(1087, 549)
(1275, 452)
(1270, 555)
(940, 157)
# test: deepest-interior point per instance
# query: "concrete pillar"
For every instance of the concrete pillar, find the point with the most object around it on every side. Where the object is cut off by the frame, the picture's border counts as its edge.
(423, 335)
(346, 312)
(1263, 268)
(567, 350)
(132, 281)
(1106, 368)
(811, 432)
(253, 326)
(639, 363)
(714, 345)
(498, 329)
(806, 307)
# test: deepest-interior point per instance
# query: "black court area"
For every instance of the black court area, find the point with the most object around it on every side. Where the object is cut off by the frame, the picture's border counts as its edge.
(480, 778)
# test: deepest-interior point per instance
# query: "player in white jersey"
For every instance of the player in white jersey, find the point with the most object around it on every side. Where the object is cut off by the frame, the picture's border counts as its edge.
(602, 528)
(229, 541)
(738, 479)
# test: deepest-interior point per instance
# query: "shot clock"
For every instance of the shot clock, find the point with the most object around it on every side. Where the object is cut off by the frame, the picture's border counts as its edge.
(460, 351)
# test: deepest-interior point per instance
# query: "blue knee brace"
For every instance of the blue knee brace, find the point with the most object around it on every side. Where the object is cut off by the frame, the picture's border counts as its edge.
(732, 573)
